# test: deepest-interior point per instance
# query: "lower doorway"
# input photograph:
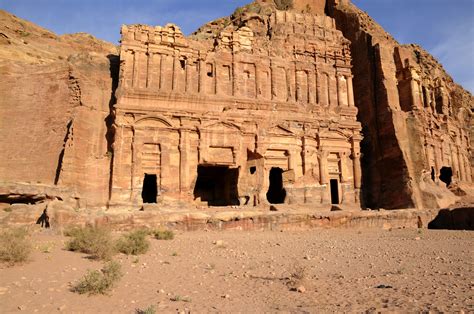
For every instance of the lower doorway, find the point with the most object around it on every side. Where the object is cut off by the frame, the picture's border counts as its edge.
(446, 175)
(150, 188)
(276, 193)
(334, 191)
(217, 185)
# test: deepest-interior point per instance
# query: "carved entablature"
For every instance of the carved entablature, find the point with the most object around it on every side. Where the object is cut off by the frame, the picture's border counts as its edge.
(143, 35)
(305, 62)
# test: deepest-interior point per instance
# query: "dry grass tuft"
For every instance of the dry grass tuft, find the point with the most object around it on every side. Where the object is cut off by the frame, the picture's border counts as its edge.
(99, 282)
(134, 243)
(149, 310)
(163, 234)
(95, 241)
(15, 247)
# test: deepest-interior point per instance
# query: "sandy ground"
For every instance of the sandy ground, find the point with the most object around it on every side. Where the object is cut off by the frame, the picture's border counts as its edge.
(402, 270)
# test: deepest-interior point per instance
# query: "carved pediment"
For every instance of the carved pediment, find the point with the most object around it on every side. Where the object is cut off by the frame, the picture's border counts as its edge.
(221, 127)
(333, 134)
(153, 122)
(280, 130)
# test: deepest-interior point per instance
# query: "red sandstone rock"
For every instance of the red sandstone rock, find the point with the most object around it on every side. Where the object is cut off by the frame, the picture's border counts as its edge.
(204, 119)
(55, 95)
(416, 119)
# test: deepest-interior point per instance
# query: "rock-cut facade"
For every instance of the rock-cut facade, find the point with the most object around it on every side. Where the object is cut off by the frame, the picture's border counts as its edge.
(256, 109)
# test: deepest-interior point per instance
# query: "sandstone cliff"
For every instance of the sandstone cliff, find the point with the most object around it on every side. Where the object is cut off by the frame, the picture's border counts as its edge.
(416, 119)
(55, 98)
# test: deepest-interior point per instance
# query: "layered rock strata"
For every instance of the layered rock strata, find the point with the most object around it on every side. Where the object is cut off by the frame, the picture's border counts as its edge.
(251, 110)
(296, 102)
(416, 120)
(55, 96)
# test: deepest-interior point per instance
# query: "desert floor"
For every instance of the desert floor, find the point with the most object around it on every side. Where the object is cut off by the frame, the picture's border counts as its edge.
(341, 270)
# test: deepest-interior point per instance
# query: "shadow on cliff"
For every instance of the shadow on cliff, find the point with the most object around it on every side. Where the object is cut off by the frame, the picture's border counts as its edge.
(114, 61)
(455, 219)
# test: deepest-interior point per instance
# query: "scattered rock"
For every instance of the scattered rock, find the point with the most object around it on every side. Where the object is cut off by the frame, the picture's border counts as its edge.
(384, 287)
(301, 289)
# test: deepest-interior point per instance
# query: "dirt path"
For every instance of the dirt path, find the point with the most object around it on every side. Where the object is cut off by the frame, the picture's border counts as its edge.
(342, 270)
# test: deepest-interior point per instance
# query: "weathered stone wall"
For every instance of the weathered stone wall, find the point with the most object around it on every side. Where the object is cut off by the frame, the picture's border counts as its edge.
(261, 89)
(268, 89)
(35, 111)
(55, 94)
(406, 106)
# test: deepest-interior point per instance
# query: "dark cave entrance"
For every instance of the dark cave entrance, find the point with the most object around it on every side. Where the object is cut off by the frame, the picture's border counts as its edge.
(217, 185)
(150, 188)
(276, 193)
(446, 175)
(433, 175)
(334, 191)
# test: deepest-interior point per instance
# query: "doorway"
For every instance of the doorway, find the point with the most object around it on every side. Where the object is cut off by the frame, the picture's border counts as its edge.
(334, 191)
(446, 175)
(276, 193)
(217, 185)
(150, 188)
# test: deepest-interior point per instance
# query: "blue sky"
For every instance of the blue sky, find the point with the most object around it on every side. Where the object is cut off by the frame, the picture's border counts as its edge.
(443, 27)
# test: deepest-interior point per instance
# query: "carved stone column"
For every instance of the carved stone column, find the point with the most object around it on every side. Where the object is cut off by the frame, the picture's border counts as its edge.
(340, 94)
(323, 167)
(344, 170)
(462, 170)
(183, 160)
(357, 170)
(174, 73)
(149, 69)
(135, 68)
(201, 75)
(350, 91)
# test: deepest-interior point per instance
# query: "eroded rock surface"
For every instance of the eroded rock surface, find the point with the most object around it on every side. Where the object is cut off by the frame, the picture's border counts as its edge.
(254, 109)
(304, 101)
(416, 120)
(55, 96)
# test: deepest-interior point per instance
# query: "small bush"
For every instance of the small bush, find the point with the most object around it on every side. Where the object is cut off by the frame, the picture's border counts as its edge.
(178, 298)
(284, 4)
(99, 282)
(134, 243)
(149, 310)
(91, 240)
(14, 246)
(46, 247)
(71, 231)
(163, 234)
(297, 276)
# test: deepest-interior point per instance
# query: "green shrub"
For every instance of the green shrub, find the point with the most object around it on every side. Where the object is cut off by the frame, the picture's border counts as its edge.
(149, 310)
(163, 234)
(71, 231)
(284, 4)
(95, 241)
(134, 243)
(15, 246)
(99, 282)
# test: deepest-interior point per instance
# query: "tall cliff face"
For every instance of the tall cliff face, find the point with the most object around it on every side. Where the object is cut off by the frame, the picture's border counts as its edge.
(55, 96)
(416, 120)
